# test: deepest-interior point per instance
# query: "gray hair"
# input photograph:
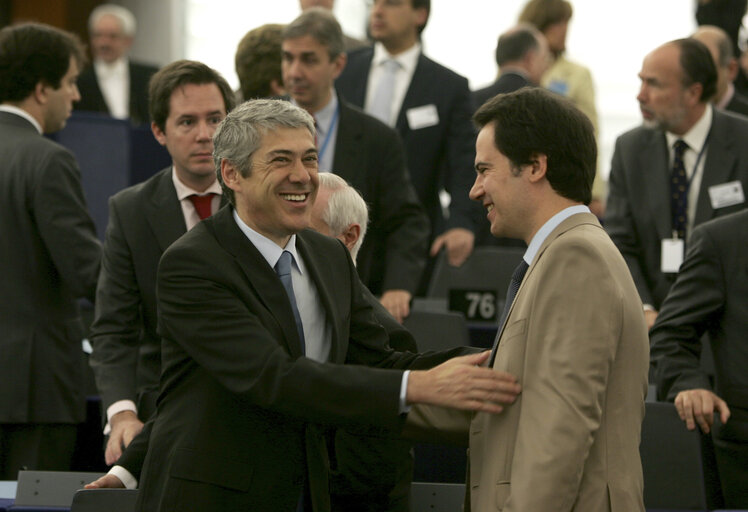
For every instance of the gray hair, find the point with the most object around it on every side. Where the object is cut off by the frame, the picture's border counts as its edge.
(240, 134)
(320, 24)
(125, 17)
(345, 206)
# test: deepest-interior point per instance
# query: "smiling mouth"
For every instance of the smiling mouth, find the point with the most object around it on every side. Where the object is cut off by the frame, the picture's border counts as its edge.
(297, 198)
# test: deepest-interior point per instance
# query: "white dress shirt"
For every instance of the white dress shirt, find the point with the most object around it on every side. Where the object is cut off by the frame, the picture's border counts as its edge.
(408, 61)
(114, 83)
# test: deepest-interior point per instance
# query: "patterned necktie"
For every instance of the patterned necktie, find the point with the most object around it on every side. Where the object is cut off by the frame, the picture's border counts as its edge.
(514, 284)
(679, 190)
(202, 204)
(283, 269)
(381, 104)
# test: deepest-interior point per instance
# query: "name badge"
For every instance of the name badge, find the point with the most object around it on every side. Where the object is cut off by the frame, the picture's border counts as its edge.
(476, 305)
(672, 255)
(726, 194)
(422, 117)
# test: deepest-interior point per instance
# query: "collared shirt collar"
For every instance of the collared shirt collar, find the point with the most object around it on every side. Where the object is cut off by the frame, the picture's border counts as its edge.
(22, 113)
(269, 249)
(183, 191)
(118, 67)
(696, 136)
(407, 59)
(548, 227)
(324, 116)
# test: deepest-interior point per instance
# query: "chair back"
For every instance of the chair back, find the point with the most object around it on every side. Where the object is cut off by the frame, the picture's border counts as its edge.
(106, 500)
(437, 331)
(436, 497)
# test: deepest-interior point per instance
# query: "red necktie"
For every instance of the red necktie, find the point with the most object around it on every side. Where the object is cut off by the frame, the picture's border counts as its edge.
(202, 204)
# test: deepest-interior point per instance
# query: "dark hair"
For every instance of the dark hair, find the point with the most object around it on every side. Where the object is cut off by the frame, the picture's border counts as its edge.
(175, 75)
(31, 53)
(515, 44)
(534, 121)
(422, 4)
(698, 66)
(258, 61)
(320, 24)
(544, 13)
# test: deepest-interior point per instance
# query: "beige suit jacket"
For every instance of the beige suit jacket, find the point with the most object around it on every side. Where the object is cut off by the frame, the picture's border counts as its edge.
(575, 337)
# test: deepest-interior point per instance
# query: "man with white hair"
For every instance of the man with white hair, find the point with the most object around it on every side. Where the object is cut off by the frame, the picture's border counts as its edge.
(114, 84)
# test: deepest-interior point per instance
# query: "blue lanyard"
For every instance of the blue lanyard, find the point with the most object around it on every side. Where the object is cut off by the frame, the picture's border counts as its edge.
(330, 129)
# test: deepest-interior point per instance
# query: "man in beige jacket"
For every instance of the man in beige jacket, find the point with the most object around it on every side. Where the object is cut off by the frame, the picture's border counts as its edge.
(573, 334)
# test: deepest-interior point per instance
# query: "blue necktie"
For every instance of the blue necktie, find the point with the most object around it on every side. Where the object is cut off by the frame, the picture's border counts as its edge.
(679, 189)
(283, 269)
(514, 284)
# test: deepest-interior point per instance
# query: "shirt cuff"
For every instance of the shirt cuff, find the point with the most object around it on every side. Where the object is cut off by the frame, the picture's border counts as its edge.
(648, 307)
(404, 407)
(125, 477)
(117, 407)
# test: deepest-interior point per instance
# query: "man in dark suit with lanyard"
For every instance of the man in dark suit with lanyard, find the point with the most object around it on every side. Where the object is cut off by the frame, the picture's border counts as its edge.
(430, 107)
(50, 255)
(188, 101)
(687, 164)
(366, 153)
(257, 317)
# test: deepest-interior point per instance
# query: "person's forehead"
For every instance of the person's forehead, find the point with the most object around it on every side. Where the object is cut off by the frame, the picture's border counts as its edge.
(108, 22)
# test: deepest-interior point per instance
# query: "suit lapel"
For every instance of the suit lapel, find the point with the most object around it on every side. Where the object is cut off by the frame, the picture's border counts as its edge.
(319, 271)
(718, 166)
(261, 277)
(414, 94)
(347, 148)
(163, 211)
(655, 175)
(359, 78)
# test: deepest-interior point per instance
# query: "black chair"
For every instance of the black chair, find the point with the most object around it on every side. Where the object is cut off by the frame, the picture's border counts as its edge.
(436, 497)
(437, 331)
(680, 471)
(488, 267)
(107, 500)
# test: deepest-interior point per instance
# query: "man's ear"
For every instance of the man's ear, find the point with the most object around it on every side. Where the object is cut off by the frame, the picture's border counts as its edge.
(158, 134)
(538, 167)
(230, 175)
(339, 62)
(350, 235)
(40, 93)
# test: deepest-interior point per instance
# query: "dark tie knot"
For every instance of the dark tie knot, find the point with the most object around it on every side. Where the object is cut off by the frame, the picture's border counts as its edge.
(283, 266)
(680, 148)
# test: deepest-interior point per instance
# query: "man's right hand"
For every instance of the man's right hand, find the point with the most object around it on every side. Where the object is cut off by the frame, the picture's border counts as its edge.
(650, 315)
(125, 426)
(106, 482)
(697, 406)
(461, 383)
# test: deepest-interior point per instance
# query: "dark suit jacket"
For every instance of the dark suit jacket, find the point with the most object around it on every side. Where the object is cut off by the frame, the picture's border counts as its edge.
(507, 82)
(369, 155)
(738, 104)
(439, 156)
(710, 295)
(144, 220)
(235, 426)
(637, 215)
(49, 258)
(93, 101)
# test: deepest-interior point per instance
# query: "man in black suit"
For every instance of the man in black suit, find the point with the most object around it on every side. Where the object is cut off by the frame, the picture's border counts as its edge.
(709, 296)
(720, 46)
(522, 57)
(430, 107)
(363, 151)
(257, 316)
(685, 139)
(114, 84)
(188, 101)
(50, 254)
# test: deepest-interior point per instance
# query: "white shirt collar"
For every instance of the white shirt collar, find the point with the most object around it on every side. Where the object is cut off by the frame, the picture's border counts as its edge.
(696, 136)
(22, 113)
(183, 191)
(269, 249)
(407, 59)
(548, 227)
(324, 116)
(118, 67)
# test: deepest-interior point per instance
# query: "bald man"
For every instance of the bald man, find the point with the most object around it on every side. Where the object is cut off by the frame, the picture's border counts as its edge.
(720, 46)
